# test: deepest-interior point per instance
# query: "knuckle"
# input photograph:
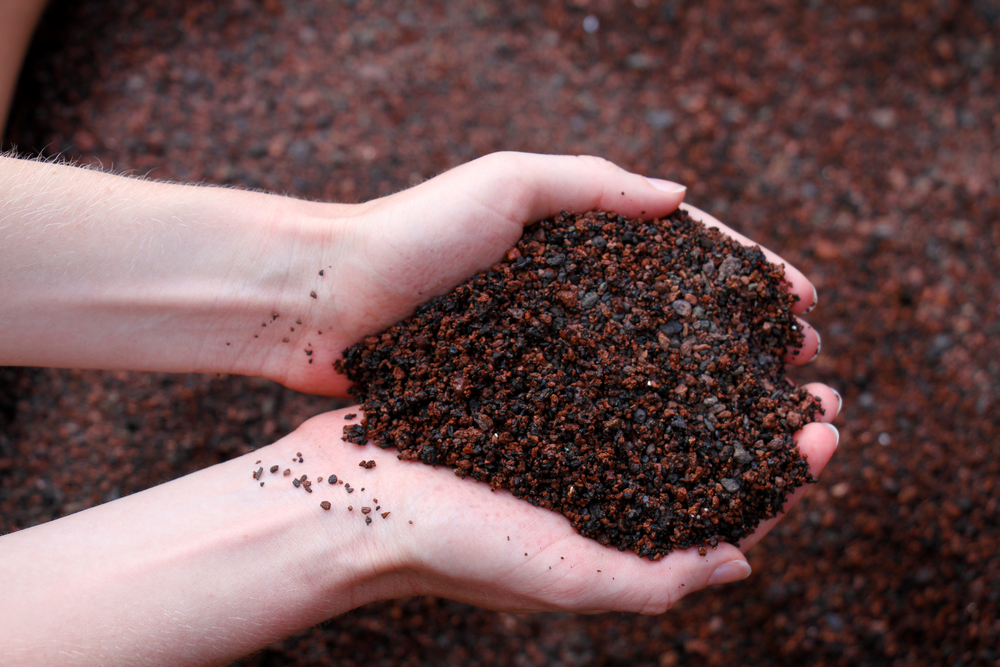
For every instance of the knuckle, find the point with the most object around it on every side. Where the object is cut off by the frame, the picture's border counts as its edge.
(599, 163)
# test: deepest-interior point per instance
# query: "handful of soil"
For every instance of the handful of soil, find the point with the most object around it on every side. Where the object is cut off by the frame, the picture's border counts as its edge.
(625, 373)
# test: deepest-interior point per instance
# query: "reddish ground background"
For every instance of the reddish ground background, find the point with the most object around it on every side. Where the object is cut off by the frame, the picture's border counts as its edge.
(861, 141)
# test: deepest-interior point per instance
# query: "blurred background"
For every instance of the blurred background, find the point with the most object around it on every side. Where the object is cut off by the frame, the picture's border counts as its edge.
(861, 141)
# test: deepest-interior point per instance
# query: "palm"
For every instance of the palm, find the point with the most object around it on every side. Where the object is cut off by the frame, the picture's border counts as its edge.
(460, 540)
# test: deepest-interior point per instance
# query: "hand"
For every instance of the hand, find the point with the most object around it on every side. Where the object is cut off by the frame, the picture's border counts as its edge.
(394, 253)
(454, 538)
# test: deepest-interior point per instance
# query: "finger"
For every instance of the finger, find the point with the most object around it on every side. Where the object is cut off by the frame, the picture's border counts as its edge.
(800, 285)
(489, 201)
(811, 346)
(817, 442)
(830, 399)
(527, 187)
(623, 582)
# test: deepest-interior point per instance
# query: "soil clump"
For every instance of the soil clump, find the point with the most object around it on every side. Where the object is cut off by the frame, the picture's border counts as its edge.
(626, 373)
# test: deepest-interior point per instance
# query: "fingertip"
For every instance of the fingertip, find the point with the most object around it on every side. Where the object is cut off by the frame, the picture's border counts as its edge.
(817, 442)
(689, 571)
(540, 186)
(840, 400)
(830, 400)
(730, 572)
(815, 299)
(835, 431)
(803, 288)
(667, 186)
(811, 345)
(819, 344)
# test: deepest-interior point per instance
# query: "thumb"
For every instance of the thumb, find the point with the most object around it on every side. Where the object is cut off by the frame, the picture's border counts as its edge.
(526, 187)
(464, 220)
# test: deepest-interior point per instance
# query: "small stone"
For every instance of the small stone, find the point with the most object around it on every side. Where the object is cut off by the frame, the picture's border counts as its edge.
(741, 455)
(671, 328)
(730, 266)
(589, 300)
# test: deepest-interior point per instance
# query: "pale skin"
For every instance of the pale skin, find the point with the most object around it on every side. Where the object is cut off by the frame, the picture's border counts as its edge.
(101, 271)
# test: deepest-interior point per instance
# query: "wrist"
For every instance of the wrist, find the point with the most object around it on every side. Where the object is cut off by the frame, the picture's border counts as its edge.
(102, 271)
(207, 567)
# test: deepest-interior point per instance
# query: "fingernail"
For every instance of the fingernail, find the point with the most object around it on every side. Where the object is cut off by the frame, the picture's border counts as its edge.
(833, 428)
(666, 186)
(815, 300)
(819, 348)
(727, 573)
(840, 399)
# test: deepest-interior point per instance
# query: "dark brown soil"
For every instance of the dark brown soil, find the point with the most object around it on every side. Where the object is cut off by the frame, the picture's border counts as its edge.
(857, 139)
(628, 374)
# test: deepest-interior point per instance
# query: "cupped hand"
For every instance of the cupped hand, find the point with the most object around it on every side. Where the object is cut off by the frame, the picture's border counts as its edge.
(454, 538)
(392, 254)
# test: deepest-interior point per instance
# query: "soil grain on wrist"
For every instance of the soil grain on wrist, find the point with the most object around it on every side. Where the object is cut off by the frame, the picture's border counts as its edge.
(626, 373)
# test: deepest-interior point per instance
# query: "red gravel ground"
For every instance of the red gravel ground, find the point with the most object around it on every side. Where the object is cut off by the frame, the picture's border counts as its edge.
(862, 141)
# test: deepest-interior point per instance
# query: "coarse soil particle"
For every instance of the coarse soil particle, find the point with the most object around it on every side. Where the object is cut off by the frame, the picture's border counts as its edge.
(325, 504)
(628, 374)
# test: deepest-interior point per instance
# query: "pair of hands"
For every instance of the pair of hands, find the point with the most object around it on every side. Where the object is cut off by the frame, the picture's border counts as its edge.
(101, 271)
(419, 243)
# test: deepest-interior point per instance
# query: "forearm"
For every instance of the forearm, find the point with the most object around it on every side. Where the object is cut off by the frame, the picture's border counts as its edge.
(200, 570)
(102, 271)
